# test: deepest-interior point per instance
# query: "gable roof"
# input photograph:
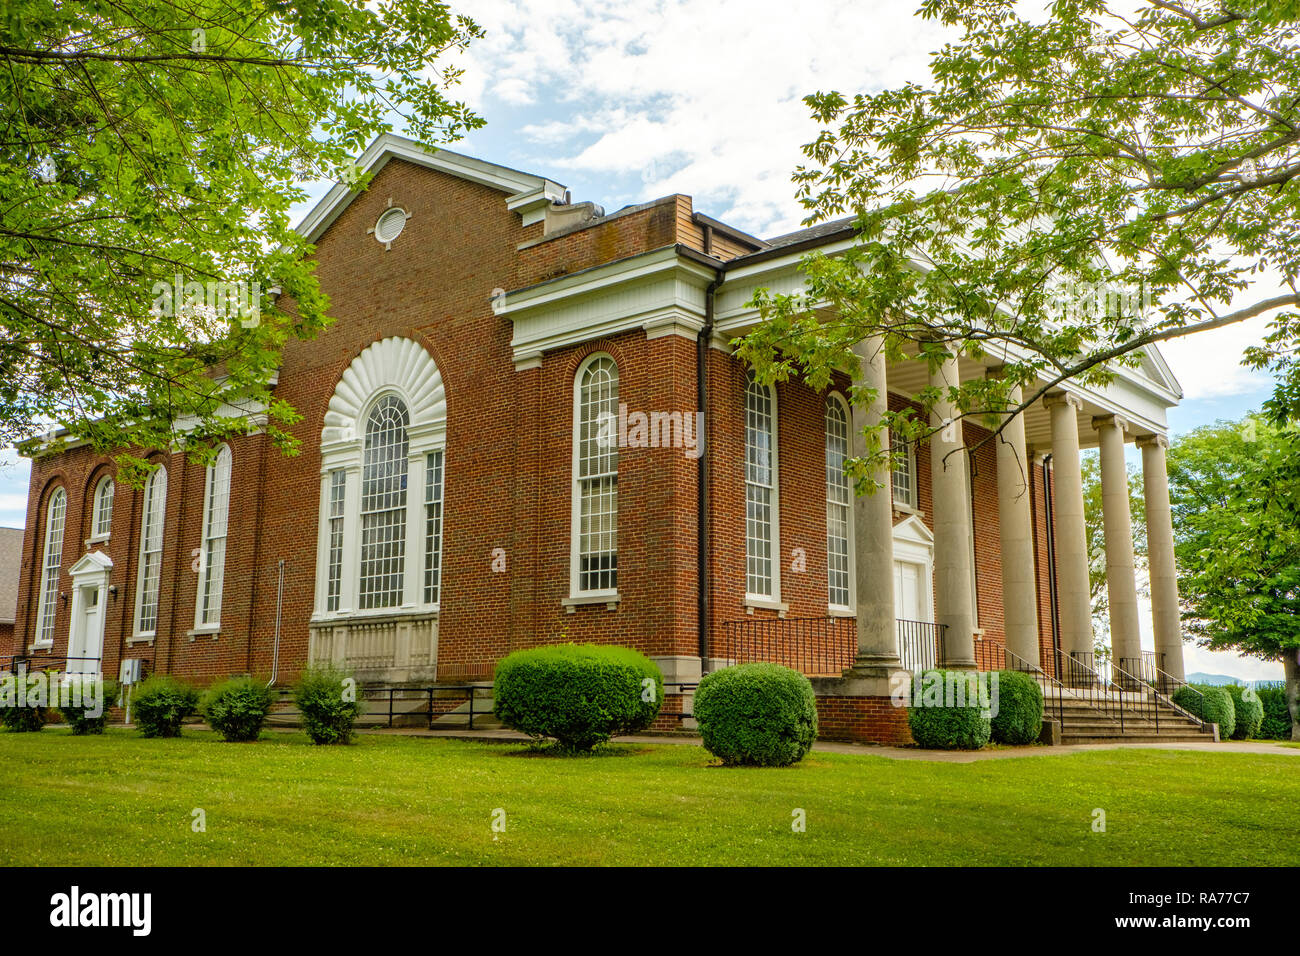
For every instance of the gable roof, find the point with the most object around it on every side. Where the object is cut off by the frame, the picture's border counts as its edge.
(527, 194)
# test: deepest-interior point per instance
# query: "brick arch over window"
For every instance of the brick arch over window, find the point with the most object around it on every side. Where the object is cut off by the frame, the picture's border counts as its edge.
(380, 527)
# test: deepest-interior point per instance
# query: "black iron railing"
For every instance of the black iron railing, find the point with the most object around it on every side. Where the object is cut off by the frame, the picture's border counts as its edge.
(920, 645)
(811, 645)
(17, 663)
(1165, 686)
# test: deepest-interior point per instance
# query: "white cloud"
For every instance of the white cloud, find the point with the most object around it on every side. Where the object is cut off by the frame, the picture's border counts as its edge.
(704, 99)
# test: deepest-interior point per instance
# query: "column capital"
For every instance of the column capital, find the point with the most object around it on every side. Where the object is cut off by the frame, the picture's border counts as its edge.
(1052, 399)
(1104, 421)
(1153, 441)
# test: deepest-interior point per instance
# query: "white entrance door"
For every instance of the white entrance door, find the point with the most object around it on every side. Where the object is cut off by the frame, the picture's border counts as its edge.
(89, 595)
(909, 602)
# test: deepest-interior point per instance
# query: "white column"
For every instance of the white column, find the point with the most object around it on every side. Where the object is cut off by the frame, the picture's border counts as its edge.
(1160, 555)
(1016, 527)
(1121, 585)
(953, 574)
(873, 524)
(1073, 591)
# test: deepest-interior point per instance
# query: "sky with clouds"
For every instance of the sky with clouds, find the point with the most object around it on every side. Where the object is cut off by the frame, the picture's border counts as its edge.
(628, 100)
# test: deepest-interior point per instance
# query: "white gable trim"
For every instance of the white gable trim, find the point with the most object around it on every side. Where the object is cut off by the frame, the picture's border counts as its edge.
(528, 195)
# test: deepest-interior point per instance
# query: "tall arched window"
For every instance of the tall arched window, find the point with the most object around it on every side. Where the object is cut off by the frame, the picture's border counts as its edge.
(52, 559)
(101, 521)
(762, 573)
(149, 581)
(383, 504)
(383, 457)
(839, 502)
(212, 570)
(594, 563)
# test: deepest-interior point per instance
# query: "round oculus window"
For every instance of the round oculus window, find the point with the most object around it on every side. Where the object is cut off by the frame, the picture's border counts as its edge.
(390, 224)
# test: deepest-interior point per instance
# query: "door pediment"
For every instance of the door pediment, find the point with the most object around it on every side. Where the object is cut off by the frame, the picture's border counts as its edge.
(93, 562)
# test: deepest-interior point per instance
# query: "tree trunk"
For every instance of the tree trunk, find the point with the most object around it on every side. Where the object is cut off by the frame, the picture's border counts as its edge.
(1292, 670)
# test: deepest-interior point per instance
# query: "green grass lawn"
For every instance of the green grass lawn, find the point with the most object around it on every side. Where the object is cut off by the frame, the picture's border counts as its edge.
(121, 799)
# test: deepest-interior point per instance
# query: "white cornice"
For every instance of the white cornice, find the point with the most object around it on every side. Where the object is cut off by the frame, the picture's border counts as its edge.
(661, 292)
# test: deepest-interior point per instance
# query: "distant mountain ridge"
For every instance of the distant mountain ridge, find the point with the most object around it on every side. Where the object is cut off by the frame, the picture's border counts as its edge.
(1218, 680)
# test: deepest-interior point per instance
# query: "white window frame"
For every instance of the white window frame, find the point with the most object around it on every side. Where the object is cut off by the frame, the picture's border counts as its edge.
(912, 502)
(839, 498)
(212, 546)
(47, 610)
(101, 512)
(435, 472)
(402, 509)
(402, 368)
(580, 481)
(774, 498)
(153, 507)
(335, 496)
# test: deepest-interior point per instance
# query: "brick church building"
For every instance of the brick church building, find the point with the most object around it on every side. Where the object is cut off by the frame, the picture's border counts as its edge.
(502, 447)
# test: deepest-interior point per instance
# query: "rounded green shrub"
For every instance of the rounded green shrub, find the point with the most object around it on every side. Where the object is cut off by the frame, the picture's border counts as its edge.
(22, 702)
(762, 715)
(329, 703)
(1211, 704)
(946, 714)
(1018, 715)
(1247, 711)
(578, 694)
(161, 703)
(1277, 718)
(87, 712)
(237, 708)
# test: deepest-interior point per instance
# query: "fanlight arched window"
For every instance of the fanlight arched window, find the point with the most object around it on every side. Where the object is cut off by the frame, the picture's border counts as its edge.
(101, 520)
(51, 562)
(212, 567)
(762, 572)
(381, 509)
(383, 504)
(149, 581)
(594, 547)
(839, 503)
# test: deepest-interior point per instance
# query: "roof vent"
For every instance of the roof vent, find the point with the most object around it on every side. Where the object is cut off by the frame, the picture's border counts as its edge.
(390, 224)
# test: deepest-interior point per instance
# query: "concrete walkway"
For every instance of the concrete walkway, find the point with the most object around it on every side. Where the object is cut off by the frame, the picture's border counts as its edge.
(872, 750)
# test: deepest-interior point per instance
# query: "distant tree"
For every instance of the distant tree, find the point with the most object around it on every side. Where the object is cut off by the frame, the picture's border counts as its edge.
(154, 145)
(1235, 492)
(1095, 525)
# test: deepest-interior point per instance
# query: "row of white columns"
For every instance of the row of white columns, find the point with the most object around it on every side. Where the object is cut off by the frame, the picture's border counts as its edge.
(953, 573)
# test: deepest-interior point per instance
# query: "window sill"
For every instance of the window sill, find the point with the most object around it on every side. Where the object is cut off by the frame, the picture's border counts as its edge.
(141, 639)
(833, 611)
(572, 603)
(208, 630)
(373, 615)
(97, 539)
(765, 603)
(33, 648)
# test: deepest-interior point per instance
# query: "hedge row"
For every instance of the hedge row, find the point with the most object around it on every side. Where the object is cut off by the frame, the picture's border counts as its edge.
(236, 708)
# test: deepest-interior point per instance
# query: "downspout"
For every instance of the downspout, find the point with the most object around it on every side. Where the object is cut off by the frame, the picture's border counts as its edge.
(1049, 515)
(702, 477)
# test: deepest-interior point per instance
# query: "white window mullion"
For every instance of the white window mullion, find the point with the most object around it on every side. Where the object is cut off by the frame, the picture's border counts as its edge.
(839, 508)
(149, 579)
(51, 563)
(762, 530)
(594, 531)
(348, 594)
(216, 516)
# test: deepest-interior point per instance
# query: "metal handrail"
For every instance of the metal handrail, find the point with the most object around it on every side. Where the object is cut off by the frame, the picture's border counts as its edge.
(987, 656)
(1173, 683)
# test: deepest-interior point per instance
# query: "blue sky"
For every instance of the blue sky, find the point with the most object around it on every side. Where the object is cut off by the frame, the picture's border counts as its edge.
(628, 100)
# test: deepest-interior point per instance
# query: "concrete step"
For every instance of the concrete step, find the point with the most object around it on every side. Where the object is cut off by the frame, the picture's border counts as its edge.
(1162, 737)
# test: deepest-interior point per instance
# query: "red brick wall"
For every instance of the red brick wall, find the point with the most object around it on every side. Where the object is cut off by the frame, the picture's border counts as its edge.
(862, 719)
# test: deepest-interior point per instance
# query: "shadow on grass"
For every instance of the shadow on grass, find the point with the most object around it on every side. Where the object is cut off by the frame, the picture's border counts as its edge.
(557, 751)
